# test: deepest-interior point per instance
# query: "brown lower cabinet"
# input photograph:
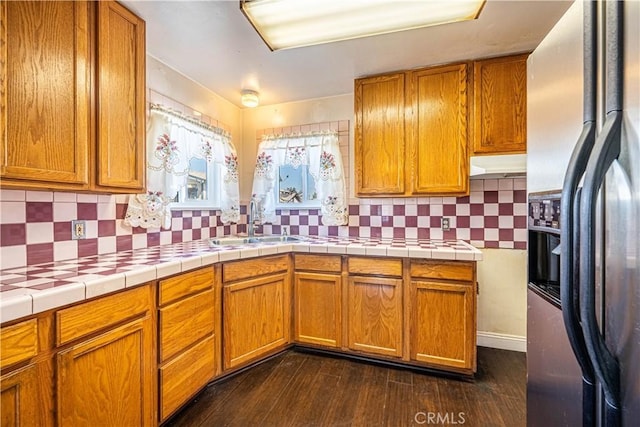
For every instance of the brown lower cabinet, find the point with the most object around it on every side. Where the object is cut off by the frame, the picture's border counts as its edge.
(137, 356)
(317, 307)
(442, 331)
(95, 375)
(419, 312)
(20, 404)
(26, 386)
(374, 301)
(189, 338)
(375, 315)
(106, 361)
(256, 309)
(99, 357)
(443, 315)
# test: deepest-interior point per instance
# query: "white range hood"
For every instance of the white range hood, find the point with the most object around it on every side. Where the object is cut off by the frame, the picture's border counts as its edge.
(502, 166)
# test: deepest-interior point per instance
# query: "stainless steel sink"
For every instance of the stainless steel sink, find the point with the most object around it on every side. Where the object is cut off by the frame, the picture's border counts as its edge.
(243, 240)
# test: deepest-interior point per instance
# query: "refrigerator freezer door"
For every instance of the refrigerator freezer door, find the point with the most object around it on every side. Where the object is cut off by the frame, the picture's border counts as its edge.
(554, 389)
(554, 124)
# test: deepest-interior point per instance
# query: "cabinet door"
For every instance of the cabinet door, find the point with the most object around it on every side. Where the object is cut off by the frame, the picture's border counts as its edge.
(438, 131)
(500, 92)
(121, 98)
(45, 94)
(256, 318)
(27, 396)
(317, 309)
(109, 380)
(443, 324)
(375, 315)
(379, 138)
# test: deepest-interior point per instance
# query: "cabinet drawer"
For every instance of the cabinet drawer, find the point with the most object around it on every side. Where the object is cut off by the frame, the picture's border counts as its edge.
(18, 342)
(375, 266)
(185, 322)
(90, 317)
(444, 270)
(185, 375)
(238, 270)
(185, 284)
(329, 264)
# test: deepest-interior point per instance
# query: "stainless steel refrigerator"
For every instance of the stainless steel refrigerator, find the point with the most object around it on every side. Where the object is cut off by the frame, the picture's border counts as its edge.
(583, 100)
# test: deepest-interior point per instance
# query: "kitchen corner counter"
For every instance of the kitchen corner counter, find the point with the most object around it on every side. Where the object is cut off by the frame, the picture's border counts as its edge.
(37, 288)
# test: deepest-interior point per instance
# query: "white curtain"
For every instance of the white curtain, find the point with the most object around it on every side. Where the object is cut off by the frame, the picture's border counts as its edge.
(172, 141)
(321, 153)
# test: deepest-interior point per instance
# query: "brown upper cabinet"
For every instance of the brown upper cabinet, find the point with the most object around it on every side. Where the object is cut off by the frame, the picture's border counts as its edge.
(411, 133)
(415, 129)
(380, 134)
(500, 105)
(120, 144)
(437, 135)
(72, 96)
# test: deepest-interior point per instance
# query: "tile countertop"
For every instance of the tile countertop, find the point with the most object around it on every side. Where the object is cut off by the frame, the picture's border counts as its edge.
(37, 288)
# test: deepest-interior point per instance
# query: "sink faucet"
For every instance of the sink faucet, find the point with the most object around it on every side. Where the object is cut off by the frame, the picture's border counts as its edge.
(252, 218)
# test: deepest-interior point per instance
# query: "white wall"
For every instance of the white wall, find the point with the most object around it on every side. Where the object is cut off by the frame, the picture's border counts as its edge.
(502, 302)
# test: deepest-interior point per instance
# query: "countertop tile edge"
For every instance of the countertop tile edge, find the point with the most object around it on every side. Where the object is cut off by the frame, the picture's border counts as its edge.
(52, 298)
(16, 307)
(139, 276)
(24, 305)
(105, 285)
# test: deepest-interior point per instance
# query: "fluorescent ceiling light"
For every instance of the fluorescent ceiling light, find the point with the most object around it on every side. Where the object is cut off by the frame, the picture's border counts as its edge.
(284, 24)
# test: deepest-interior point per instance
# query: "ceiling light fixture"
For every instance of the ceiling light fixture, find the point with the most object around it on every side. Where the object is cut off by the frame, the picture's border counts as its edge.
(285, 24)
(249, 98)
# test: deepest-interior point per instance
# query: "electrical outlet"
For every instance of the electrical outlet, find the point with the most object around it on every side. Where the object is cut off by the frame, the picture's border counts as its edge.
(78, 230)
(445, 223)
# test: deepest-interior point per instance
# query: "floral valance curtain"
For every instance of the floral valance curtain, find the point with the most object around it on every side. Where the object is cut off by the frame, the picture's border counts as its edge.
(172, 141)
(321, 153)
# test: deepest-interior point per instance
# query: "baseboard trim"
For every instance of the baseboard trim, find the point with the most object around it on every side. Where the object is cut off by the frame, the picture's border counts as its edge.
(502, 341)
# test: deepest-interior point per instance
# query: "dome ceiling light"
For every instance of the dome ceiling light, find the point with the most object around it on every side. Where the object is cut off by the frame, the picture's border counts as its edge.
(249, 98)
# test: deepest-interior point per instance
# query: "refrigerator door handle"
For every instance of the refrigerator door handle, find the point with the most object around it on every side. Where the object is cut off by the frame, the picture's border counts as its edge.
(589, 390)
(604, 363)
(570, 242)
(569, 217)
(605, 152)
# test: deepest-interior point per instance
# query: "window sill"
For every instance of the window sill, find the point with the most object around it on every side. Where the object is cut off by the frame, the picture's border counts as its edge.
(194, 208)
(297, 207)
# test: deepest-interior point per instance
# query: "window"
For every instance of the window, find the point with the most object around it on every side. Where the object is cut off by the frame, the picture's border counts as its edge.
(300, 171)
(199, 191)
(295, 188)
(190, 165)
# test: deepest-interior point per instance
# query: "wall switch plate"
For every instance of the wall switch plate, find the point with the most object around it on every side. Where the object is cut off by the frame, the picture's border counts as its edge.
(78, 230)
(445, 224)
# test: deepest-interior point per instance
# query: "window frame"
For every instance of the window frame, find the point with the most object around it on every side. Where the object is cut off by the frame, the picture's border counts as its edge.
(210, 203)
(306, 204)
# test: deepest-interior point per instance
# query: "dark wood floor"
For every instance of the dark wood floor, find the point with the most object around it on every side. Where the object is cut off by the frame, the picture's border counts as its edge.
(299, 389)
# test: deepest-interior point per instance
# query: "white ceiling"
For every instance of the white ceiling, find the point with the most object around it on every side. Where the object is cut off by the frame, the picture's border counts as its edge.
(212, 43)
